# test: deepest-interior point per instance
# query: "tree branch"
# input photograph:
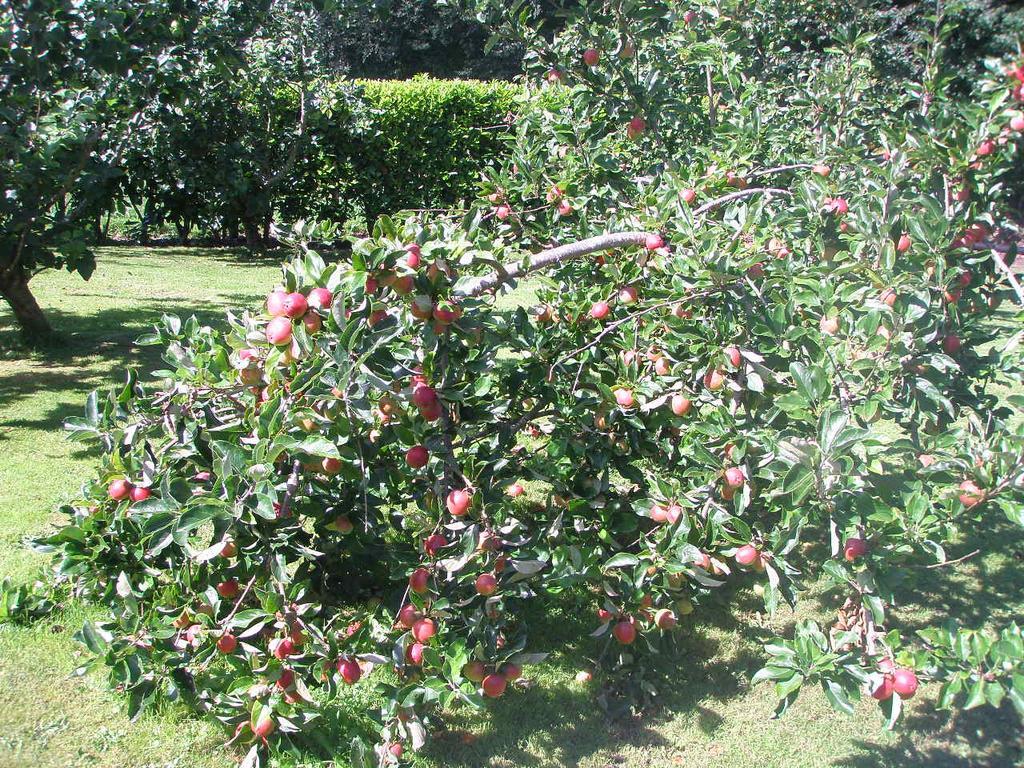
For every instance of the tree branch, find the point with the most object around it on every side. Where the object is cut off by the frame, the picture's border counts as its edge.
(553, 256)
(769, 191)
(609, 241)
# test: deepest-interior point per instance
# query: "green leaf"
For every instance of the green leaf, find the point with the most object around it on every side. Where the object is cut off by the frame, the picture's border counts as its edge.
(621, 560)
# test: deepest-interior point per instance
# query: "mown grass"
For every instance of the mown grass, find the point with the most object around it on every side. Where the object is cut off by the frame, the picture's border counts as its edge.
(708, 714)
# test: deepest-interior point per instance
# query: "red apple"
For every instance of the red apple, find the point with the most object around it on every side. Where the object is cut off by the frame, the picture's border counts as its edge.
(119, 490)
(396, 749)
(951, 344)
(486, 584)
(884, 689)
(748, 554)
(904, 682)
(734, 477)
(822, 170)
(445, 312)
(286, 679)
(276, 302)
(636, 127)
(279, 331)
(458, 502)
(342, 525)
(295, 305)
(591, 57)
(414, 653)
(515, 490)
(349, 670)
(264, 726)
(599, 310)
(413, 255)
(1017, 123)
(282, 648)
(624, 632)
(330, 466)
(732, 354)
(419, 581)
(714, 380)
(510, 671)
(624, 397)
(228, 589)
(312, 322)
(321, 298)
(502, 212)
(888, 297)
(417, 457)
(971, 494)
(403, 285)
(904, 243)
(654, 241)
(828, 325)
(855, 547)
(689, 195)
(434, 543)
(424, 396)
(565, 208)
(494, 685)
(227, 643)
(137, 493)
(408, 616)
(986, 148)
(664, 618)
(424, 629)
(628, 295)
(475, 671)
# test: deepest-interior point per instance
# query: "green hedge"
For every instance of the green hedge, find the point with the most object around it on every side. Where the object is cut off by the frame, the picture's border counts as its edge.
(370, 147)
(425, 141)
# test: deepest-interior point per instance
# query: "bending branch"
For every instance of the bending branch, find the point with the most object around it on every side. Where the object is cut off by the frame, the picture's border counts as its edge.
(769, 191)
(553, 256)
(611, 241)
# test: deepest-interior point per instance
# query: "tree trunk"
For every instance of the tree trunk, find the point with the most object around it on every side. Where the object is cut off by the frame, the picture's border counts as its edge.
(252, 233)
(14, 289)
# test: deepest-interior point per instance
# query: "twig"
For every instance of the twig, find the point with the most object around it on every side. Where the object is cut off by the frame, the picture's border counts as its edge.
(954, 562)
(1003, 267)
(779, 169)
(554, 256)
(740, 194)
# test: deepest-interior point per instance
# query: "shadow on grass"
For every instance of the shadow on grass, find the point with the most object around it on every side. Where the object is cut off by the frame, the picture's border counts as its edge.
(979, 738)
(93, 351)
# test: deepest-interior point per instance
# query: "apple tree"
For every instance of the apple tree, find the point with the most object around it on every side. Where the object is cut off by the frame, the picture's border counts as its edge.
(770, 323)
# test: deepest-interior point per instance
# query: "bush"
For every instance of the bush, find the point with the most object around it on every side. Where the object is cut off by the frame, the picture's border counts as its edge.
(418, 143)
(367, 147)
(761, 361)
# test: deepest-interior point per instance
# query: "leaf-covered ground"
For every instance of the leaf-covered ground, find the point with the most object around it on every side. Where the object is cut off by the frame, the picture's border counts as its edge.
(709, 715)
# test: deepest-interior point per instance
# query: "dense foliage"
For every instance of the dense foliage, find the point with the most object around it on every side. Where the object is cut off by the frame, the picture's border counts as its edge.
(768, 350)
(366, 147)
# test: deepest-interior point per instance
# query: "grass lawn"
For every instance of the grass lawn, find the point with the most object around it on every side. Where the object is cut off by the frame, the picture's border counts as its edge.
(709, 714)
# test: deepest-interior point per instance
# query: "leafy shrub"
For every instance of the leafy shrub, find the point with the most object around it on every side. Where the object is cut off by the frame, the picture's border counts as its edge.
(419, 143)
(366, 147)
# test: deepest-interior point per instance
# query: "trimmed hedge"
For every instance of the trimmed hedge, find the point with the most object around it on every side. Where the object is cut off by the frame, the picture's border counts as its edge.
(426, 143)
(370, 147)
